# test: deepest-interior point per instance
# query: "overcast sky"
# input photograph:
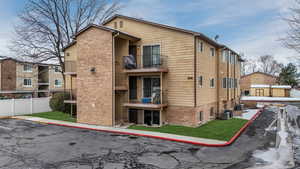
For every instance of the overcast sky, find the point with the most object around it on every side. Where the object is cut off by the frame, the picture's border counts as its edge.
(252, 27)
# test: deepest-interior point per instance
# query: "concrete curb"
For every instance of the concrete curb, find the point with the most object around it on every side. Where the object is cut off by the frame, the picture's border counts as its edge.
(166, 138)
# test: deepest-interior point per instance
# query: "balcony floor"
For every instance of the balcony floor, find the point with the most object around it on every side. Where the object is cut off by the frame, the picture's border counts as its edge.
(70, 101)
(146, 70)
(145, 105)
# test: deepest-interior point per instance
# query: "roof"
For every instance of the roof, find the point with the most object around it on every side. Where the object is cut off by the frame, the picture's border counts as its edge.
(259, 86)
(134, 38)
(259, 73)
(281, 86)
(165, 26)
(272, 86)
(31, 61)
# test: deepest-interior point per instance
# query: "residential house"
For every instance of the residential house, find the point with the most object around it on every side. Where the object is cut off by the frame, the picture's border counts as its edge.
(26, 79)
(256, 78)
(131, 70)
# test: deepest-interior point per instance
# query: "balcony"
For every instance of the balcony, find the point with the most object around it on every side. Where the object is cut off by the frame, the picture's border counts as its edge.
(70, 68)
(155, 64)
(157, 100)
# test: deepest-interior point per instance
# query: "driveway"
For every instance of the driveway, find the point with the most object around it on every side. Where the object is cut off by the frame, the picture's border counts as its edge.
(28, 145)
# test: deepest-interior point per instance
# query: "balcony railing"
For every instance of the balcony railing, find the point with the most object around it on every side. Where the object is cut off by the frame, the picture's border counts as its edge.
(70, 67)
(154, 100)
(153, 64)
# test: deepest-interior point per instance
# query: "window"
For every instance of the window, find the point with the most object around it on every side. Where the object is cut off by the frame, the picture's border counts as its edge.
(115, 25)
(200, 80)
(247, 93)
(235, 83)
(200, 46)
(212, 51)
(57, 69)
(121, 24)
(151, 86)
(200, 115)
(27, 68)
(212, 112)
(151, 56)
(212, 82)
(224, 83)
(57, 83)
(224, 55)
(27, 82)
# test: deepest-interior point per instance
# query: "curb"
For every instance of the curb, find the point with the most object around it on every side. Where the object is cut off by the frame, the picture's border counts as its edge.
(170, 139)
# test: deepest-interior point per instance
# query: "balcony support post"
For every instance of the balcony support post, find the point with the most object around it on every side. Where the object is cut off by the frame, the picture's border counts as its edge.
(161, 88)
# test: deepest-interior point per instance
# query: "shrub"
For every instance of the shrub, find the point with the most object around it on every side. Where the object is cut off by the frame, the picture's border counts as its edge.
(57, 102)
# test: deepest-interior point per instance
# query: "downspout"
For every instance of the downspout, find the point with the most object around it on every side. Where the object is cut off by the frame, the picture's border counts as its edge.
(195, 71)
(113, 79)
(218, 80)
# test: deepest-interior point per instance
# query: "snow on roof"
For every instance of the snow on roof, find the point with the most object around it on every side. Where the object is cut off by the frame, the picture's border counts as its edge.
(282, 86)
(260, 98)
(259, 86)
(272, 86)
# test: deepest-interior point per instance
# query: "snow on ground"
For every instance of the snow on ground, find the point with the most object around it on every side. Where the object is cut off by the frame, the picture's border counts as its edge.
(248, 114)
(295, 93)
(261, 98)
(280, 157)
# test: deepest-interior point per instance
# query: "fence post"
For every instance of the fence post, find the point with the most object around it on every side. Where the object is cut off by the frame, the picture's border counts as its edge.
(13, 107)
(31, 105)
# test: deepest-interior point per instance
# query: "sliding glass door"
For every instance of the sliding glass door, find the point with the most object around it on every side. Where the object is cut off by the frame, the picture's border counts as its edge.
(151, 56)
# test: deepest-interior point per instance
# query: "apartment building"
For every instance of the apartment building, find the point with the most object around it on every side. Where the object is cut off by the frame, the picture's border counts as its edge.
(256, 78)
(29, 79)
(130, 70)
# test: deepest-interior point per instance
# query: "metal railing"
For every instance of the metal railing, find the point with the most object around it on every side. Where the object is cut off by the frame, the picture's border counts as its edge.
(70, 66)
(70, 94)
(150, 96)
(158, 61)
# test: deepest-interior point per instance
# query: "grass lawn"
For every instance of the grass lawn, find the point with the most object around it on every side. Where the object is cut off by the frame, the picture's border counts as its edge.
(54, 115)
(216, 129)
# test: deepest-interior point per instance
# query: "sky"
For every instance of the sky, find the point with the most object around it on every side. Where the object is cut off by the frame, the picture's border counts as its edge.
(251, 27)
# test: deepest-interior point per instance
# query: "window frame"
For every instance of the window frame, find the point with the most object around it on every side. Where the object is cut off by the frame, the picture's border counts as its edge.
(121, 23)
(29, 80)
(200, 116)
(142, 54)
(200, 46)
(212, 82)
(212, 51)
(59, 85)
(200, 81)
(28, 66)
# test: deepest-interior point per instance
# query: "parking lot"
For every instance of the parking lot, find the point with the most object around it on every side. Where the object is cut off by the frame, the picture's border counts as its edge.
(28, 145)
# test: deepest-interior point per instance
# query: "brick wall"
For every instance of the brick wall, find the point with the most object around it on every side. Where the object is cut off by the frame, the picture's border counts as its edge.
(8, 75)
(94, 99)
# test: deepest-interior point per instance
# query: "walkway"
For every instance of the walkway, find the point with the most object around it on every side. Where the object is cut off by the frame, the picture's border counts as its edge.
(164, 136)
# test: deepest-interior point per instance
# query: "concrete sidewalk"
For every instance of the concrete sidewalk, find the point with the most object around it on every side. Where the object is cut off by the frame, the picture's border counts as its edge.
(165, 136)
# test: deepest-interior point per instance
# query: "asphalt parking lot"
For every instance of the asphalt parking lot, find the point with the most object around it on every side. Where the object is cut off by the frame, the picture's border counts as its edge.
(28, 145)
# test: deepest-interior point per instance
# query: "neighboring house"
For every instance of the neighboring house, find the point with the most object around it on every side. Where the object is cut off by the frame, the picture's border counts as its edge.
(256, 78)
(136, 71)
(270, 90)
(27, 79)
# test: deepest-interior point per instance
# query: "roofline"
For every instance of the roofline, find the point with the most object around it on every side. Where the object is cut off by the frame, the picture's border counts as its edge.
(260, 73)
(37, 63)
(164, 26)
(99, 27)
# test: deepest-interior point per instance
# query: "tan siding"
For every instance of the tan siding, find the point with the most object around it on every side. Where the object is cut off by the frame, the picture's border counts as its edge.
(179, 49)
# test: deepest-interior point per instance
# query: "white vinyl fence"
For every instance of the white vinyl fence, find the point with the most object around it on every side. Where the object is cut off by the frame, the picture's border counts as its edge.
(13, 107)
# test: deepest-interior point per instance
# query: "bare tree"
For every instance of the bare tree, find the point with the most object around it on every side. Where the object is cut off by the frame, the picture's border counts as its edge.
(292, 39)
(46, 26)
(269, 65)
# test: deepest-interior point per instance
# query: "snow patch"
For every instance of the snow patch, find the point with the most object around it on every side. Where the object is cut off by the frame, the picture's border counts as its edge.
(248, 114)
(262, 98)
